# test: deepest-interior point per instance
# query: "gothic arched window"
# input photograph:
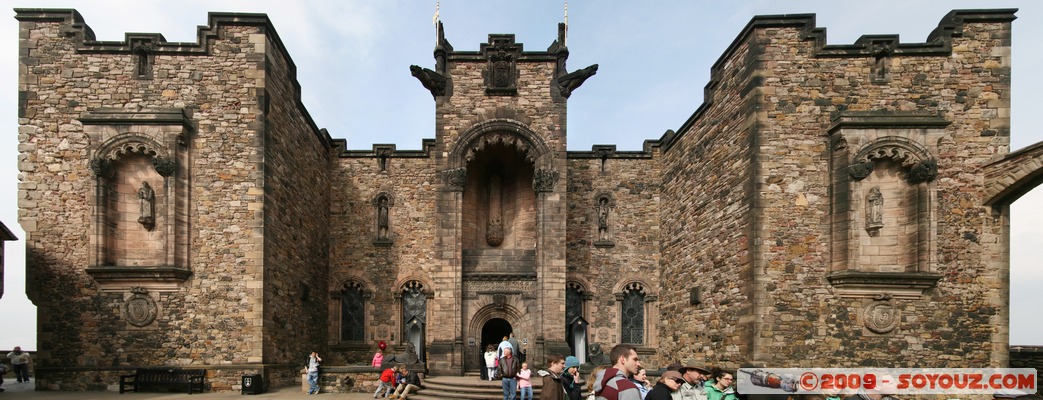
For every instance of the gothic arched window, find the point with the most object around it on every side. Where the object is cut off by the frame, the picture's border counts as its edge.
(352, 312)
(632, 321)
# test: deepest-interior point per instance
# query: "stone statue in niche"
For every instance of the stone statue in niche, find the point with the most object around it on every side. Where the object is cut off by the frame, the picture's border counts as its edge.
(382, 218)
(147, 197)
(382, 159)
(494, 226)
(874, 211)
(603, 209)
(882, 56)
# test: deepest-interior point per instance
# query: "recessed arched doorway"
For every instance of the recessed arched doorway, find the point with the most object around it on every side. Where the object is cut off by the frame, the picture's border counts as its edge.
(493, 332)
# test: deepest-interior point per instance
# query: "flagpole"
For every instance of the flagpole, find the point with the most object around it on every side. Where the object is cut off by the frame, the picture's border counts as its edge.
(565, 39)
(434, 21)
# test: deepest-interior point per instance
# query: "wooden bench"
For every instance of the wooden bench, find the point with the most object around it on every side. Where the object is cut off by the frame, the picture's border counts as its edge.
(144, 379)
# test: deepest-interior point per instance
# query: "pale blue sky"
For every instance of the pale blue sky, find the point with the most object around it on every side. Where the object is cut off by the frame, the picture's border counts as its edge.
(353, 62)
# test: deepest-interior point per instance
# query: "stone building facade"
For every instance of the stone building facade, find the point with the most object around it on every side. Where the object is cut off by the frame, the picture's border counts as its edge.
(827, 204)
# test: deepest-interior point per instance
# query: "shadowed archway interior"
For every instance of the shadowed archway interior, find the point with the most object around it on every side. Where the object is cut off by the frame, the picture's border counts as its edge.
(494, 330)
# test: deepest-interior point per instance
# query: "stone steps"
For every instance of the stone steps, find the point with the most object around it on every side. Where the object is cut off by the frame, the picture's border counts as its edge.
(468, 387)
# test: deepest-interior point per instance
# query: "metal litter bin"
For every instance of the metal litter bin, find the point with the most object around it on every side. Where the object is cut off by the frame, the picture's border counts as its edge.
(253, 384)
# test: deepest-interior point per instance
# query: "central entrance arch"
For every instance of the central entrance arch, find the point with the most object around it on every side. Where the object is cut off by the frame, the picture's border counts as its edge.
(494, 330)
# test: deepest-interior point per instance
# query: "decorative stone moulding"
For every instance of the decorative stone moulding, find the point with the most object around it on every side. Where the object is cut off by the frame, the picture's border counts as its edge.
(899, 285)
(500, 277)
(455, 179)
(504, 138)
(501, 73)
(544, 180)
(113, 277)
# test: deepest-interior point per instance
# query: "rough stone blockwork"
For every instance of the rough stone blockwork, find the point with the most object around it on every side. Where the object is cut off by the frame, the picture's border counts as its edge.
(840, 205)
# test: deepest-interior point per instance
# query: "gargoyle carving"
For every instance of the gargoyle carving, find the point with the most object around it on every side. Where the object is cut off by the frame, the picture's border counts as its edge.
(432, 81)
(572, 80)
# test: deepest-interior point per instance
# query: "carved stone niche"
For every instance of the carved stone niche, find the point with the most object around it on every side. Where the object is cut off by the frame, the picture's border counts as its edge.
(383, 228)
(884, 234)
(140, 163)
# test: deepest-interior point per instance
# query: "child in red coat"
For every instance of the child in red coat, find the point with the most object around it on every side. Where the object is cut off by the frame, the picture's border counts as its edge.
(387, 382)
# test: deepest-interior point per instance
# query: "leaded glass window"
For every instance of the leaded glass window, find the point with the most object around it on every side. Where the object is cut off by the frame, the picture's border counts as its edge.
(633, 315)
(352, 312)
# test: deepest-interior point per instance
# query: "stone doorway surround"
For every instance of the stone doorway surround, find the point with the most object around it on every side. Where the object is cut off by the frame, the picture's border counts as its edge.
(487, 326)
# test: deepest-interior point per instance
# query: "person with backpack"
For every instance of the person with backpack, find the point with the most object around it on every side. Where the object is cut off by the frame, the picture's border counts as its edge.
(20, 363)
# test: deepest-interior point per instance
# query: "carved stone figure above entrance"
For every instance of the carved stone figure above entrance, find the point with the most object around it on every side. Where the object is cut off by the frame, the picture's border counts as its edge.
(494, 225)
(499, 204)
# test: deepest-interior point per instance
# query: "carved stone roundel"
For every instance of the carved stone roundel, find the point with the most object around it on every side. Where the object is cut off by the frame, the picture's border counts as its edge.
(881, 317)
(140, 310)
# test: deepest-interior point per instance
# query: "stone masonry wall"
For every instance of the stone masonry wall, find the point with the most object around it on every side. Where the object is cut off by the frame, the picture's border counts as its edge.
(634, 225)
(412, 183)
(772, 305)
(1027, 357)
(214, 316)
(296, 222)
(953, 325)
(706, 220)
(735, 208)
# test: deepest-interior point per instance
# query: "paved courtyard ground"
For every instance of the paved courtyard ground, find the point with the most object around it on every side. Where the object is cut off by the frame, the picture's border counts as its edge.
(15, 390)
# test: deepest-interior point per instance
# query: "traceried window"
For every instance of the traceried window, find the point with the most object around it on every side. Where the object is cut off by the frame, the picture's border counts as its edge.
(352, 312)
(632, 320)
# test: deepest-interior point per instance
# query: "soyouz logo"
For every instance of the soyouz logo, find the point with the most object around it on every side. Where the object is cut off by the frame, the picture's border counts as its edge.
(886, 380)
